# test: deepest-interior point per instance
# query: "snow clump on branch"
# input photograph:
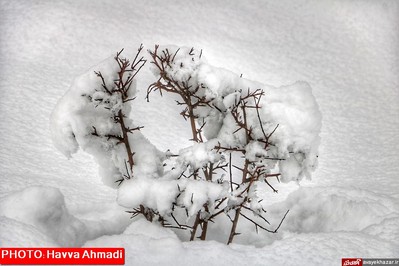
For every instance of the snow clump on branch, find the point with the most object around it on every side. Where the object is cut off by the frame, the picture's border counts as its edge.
(273, 132)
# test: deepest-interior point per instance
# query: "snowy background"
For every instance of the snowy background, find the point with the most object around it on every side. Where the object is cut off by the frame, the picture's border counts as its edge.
(348, 51)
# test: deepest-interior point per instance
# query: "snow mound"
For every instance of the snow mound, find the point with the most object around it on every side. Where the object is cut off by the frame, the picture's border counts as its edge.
(43, 212)
(17, 234)
(328, 209)
(328, 248)
(102, 219)
(142, 227)
(388, 229)
(43, 208)
(148, 244)
(144, 242)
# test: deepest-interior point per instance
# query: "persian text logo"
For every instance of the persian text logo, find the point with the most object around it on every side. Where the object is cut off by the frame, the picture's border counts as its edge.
(352, 261)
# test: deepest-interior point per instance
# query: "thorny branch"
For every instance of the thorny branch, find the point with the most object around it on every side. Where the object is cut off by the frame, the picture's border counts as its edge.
(190, 98)
(120, 88)
(240, 111)
(163, 61)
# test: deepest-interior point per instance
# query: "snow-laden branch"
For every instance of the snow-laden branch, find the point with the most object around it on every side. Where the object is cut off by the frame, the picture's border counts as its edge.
(244, 134)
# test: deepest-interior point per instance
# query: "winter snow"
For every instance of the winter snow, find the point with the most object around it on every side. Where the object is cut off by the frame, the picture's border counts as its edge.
(348, 51)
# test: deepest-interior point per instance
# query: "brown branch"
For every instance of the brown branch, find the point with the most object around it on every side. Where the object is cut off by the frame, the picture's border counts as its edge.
(274, 190)
(126, 139)
(267, 230)
(103, 82)
(234, 227)
(230, 174)
(122, 86)
(219, 147)
(180, 226)
(257, 215)
(195, 226)
(238, 210)
(261, 123)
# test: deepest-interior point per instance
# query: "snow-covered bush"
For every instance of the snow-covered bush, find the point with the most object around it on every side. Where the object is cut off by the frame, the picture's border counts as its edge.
(244, 133)
(271, 133)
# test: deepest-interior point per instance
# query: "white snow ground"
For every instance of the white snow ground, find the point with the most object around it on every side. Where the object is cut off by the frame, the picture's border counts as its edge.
(347, 50)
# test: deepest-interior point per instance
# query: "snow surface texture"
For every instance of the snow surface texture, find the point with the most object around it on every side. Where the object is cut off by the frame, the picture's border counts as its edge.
(348, 51)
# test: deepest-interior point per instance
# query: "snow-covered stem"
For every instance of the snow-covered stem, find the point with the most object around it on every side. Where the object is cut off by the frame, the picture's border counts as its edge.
(250, 175)
(188, 92)
(166, 83)
(126, 73)
(238, 210)
(122, 86)
(125, 139)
